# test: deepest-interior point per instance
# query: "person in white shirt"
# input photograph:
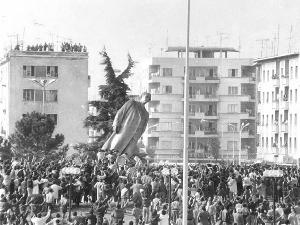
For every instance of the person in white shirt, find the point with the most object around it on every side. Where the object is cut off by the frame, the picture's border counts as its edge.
(56, 188)
(39, 220)
(50, 198)
(36, 188)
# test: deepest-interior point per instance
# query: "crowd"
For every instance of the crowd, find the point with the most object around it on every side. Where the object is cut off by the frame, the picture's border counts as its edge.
(41, 47)
(69, 47)
(37, 192)
(65, 47)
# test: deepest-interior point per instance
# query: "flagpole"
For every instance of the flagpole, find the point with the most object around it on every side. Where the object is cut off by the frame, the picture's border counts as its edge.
(186, 121)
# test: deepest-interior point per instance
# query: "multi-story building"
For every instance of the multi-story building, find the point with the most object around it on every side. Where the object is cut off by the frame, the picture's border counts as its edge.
(65, 100)
(278, 84)
(221, 105)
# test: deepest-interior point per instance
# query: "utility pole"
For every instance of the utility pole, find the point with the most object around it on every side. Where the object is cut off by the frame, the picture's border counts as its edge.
(262, 42)
(278, 28)
(290, 40)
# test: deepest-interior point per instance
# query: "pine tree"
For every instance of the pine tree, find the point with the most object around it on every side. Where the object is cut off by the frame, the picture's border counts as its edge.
(33, 135)
(113, 95)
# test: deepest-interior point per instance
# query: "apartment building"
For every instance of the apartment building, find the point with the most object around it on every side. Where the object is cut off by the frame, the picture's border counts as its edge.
(64, 98)
(221, 105)
(278, 109)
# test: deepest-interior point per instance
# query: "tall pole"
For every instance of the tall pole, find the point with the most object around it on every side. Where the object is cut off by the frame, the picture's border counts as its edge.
(170, 196)
(70, 202)
(43, 105)
(240, 150)
(233, 148)
(186, 121)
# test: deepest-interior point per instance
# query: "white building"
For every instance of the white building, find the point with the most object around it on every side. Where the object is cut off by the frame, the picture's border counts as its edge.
(278, 108)
(66, 100)
(222, 102)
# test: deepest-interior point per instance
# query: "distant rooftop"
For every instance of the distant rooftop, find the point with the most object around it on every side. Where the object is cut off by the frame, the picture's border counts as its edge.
(201, 48)
(272, 58)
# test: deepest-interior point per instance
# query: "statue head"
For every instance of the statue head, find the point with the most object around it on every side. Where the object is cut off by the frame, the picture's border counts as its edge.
(145, 97)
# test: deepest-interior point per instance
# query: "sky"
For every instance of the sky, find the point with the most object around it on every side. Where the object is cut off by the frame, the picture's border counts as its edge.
(144, 28)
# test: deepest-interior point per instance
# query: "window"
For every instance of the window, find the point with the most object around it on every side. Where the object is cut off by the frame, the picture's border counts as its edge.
(232, 90)
(53, 117)
(264, 76)
(28, 71)
(295, 143)
(232, 145)
(40, 71)
(263, 97)
(295, 119)
(263, 142)
(291, 118)
(52, 71)
(167, 89)
(232, 72)
(267, 142)
(38, 95)
(291, 72)
(165, 126)
(296, 95)
(296, 72)
(167, 72)
(291, 95)
(267, 75)
(263, 120)
(51, 96)
(232, 108)
(267, 97)
(267, 120)
(232, 127)
(166, 107)
(28, 95)
(281, 71)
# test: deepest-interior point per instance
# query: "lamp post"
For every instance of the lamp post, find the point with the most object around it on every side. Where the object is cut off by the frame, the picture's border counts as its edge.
(243, 126)
(70, 171)
(43, 83)
(168, 171)
(233, 127)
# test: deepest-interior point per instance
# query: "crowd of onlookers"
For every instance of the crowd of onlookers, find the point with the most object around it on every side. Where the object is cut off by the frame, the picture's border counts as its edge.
(37, 192)
(65, 47)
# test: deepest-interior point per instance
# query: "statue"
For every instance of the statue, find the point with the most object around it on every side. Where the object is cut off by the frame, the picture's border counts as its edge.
(129, 124)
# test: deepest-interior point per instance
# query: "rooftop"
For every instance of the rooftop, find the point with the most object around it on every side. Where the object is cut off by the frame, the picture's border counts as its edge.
(201, 48)
(18, 53)
(272, 58)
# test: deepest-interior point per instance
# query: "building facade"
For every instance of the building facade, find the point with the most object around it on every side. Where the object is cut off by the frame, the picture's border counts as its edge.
(65, 75)
(221, 106)
(278, 109)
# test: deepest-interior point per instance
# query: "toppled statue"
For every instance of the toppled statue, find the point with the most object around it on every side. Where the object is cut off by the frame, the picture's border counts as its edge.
(129, 124)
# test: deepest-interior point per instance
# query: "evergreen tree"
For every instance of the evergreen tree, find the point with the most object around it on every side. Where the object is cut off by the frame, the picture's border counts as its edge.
(33, 135)
(214, 147)
(113, 95)
(5, 149)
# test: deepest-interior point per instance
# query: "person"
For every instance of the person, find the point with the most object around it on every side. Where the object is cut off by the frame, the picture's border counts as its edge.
(204, 217)
(117, 216)
(129, 124)
(91, 218)
(39, 220)
(136, 213)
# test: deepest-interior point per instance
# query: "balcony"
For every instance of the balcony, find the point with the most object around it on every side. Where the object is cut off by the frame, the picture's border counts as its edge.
(284, 80)
(260, 129)
(275, 104)
(275, 128)
(284, 104)
(275, 81)
(204, 98)
(207, 79)
(202, 115)
(284, 127)
(247, 134)
(248, 114)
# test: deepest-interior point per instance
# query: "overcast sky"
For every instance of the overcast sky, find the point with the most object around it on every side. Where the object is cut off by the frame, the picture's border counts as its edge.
(144, 27)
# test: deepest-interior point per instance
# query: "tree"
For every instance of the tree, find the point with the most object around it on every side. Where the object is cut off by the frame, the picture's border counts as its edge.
(114, 95)
(5, 149)
(87, 151)
(214, 147)
(33, 135)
